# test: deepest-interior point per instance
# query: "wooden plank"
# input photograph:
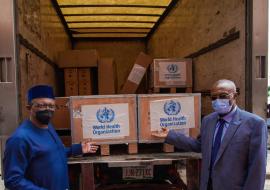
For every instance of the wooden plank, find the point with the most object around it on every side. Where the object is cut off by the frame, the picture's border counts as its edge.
(88, 180)
(189, 90)
(168, 148)
(132, 148)
(172, 90)
(193, 174)
(156, 90)
(140, 186)
(135, 157)
(105, 150)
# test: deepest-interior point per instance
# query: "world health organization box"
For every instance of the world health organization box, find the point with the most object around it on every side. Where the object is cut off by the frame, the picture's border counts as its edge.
(108, 119)
(173, 111)
(169, 73)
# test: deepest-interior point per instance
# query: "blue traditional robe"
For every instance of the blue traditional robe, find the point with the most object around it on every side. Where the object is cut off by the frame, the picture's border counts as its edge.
(36, 159)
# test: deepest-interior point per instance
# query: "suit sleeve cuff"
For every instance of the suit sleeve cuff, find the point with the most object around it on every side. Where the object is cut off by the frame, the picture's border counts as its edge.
(170, 137)
(76, 149)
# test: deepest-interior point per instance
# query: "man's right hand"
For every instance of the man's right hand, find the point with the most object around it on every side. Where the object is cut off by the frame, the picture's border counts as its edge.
(161, 134)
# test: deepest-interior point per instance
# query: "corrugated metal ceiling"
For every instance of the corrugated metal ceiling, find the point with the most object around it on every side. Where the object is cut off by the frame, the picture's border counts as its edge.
(113, 18)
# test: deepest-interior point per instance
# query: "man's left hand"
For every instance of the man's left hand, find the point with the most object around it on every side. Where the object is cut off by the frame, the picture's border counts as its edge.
(89, 147)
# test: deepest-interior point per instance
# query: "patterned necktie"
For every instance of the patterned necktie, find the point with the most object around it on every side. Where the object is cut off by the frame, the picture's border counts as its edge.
(217, 142)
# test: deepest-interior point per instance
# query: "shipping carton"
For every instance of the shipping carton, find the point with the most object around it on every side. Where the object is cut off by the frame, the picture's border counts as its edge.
(173, 111)
(61, 117)
(109, 119)
(107, 76)
(85, 82)
(136, 74)
(169, 73)
(71, 82)
(78, 58)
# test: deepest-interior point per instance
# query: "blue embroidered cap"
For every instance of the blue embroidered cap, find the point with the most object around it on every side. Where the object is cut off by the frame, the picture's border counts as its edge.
(40, 91)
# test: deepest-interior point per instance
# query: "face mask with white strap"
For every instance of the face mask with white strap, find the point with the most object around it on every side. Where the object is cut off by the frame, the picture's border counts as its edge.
(222, 106)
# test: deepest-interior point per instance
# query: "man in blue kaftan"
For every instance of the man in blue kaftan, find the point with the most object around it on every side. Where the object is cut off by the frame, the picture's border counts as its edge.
(35, 158)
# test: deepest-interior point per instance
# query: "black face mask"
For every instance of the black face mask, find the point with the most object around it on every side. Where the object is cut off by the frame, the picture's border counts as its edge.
(44, 116)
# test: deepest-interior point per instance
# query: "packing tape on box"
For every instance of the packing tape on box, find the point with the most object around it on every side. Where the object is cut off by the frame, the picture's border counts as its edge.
(136, 74)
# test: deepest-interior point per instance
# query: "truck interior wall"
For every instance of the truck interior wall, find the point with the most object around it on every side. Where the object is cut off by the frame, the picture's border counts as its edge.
(192, 25)
(124, 53)
(41, 37)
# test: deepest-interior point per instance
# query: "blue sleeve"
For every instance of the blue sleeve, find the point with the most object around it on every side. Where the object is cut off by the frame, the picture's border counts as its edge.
(16, 159)
(257, 158)
(183, 142)
(74, 150)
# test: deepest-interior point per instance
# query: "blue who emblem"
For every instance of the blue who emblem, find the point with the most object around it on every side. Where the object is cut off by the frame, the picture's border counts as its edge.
(172, 68)
(105, 115)
(172, 107)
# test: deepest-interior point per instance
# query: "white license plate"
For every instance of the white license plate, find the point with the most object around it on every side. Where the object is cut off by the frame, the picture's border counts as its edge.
(138, 172)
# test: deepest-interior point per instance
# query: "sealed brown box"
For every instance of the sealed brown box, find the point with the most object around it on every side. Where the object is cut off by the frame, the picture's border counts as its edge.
(136, 74)
(168, 73)
(71, 88)
(107, 76)
(109, 119)
(71, 82)
(172, 111)
(61, 118)
(78, 58)
(85, 83)
(71, 74)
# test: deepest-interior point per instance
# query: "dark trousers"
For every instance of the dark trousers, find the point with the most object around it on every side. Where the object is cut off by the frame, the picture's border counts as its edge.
(210, 186)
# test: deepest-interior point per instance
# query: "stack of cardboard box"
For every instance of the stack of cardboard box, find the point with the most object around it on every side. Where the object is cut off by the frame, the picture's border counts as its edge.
(77, 66)
(85, 81)
(71, 81)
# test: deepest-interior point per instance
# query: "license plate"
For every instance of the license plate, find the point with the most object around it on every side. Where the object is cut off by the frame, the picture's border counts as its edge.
(138, 172)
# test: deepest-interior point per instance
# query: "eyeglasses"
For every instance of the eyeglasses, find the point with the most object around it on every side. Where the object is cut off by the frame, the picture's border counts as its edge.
(221, 96)
(44, 106)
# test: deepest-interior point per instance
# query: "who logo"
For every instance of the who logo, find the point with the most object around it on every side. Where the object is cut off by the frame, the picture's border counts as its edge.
(172, 107)
(105, 115)
(172, 68)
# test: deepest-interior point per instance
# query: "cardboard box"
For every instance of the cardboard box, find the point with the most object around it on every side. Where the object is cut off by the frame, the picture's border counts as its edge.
(61, 118)
(85, 82)
(168, 73)
(71, 74)
(78, 58)
(71, 88)
(172, 111)
(136, 74)
(107, 76)
(109, 119)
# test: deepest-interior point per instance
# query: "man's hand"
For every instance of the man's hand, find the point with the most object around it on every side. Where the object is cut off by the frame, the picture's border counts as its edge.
(88, 146)
(161, 134)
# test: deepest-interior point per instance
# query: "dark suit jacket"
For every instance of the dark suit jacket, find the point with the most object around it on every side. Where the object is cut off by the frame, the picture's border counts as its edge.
(241, 160)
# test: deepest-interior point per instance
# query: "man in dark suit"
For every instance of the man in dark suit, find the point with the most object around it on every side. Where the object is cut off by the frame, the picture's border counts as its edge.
(232, 142)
